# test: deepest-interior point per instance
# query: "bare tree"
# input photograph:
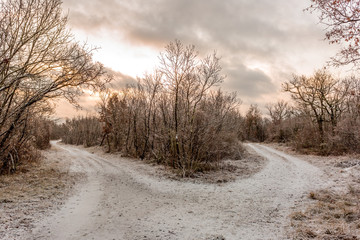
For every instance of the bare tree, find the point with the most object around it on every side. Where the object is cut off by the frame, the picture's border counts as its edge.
(321, 95)
(187, 79)
(342, 18)
(39, 61)
(348, 127)
(278, 111)
(281, 114)
(152, 86)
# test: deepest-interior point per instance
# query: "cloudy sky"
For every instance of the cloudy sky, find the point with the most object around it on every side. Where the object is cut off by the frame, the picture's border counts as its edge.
(261, 43)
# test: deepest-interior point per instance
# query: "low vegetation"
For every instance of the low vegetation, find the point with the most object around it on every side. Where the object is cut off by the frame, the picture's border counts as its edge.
(329, 216)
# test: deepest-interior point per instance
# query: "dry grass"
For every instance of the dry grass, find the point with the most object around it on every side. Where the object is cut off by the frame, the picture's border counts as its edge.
(334, 212)
(330, 215)
(33, 192)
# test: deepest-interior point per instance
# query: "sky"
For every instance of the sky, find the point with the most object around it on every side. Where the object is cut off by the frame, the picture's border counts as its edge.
(261, 43)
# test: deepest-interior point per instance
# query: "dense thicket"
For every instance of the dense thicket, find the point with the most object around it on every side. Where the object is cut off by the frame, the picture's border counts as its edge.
(86, 131)
(175, 115)
(39, 61)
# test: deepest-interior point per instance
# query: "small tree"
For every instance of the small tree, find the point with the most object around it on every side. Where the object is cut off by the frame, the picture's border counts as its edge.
(348, 127)
(279, 111)
(280, 127)
(254, 125)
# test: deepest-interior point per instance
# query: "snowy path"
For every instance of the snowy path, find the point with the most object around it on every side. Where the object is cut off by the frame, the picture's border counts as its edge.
(118, 202)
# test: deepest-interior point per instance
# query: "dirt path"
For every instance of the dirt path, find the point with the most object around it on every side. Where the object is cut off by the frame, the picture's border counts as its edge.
(118, 202)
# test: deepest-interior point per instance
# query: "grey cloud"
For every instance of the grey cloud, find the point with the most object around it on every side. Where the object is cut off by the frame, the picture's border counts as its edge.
(120, 80)
(260, 28)
(158, 22)
(275, 32)
(248, 83)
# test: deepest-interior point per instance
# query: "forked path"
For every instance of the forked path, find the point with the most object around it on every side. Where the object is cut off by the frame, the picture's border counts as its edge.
(119, 202)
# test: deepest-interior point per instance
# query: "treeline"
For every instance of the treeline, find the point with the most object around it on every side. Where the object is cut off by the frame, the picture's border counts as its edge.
(179, 124)
(86, 131)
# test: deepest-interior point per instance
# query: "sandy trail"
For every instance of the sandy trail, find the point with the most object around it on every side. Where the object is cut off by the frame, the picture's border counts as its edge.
(119, 202)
